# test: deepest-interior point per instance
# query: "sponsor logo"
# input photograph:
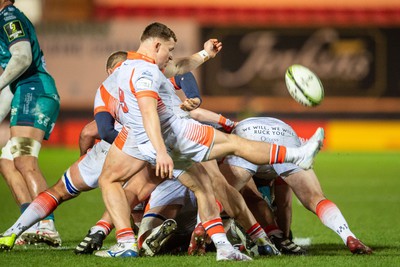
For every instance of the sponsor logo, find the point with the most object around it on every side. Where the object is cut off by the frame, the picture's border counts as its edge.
(14, 30)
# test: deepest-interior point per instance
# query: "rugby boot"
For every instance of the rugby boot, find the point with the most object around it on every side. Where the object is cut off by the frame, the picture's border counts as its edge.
(7, 242)
(286, 246)
(197, 244)
(304, 156)
(120, 250)
(46, 233)
(90, 243)
(154, 242)
(357, 247)
(229, 253)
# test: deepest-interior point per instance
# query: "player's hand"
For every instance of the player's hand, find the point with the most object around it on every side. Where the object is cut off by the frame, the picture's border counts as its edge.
(190, 104)
(164, 165)
(212, 46)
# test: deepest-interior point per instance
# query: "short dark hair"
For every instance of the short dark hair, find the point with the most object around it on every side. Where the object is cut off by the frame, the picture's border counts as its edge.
(159, 30)
(115, 58)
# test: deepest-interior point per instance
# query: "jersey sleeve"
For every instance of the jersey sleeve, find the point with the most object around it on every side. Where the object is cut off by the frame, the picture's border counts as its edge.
(14, 29)
(187, 82)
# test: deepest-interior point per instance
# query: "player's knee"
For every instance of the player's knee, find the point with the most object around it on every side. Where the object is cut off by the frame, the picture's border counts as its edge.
(69, 186)
(25, 146)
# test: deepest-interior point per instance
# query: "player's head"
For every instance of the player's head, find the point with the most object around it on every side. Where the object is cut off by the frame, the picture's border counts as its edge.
(159, 42)
(114, 59)
(158, 30)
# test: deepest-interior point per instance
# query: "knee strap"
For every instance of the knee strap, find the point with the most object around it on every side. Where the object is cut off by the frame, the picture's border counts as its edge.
(69, 186)
(6, 151)
(24, 146)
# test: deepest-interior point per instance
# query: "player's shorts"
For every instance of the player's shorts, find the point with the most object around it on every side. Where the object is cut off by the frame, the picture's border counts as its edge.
(172, 192)
(32, 106)
(6, 151)
(91, 164)
(187, 142)
(267, 130)
(190, 142)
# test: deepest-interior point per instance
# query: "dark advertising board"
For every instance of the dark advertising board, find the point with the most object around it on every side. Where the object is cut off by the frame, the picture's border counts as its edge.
(351, 62)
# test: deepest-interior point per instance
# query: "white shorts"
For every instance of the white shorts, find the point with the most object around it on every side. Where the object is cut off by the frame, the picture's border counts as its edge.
(267, 130)
(187, 141)
(91, 164)
(172, 192)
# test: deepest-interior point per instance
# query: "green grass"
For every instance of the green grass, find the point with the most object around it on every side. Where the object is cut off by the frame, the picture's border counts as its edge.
(365, 186)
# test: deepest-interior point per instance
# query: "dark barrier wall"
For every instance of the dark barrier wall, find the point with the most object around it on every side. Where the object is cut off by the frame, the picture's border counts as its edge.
(351, 62)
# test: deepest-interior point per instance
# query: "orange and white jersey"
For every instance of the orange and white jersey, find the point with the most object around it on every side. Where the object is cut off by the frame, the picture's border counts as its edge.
(186, 140)
(140, 77)
(107, 99)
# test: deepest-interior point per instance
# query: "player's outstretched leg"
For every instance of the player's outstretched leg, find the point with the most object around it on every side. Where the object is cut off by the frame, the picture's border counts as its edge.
(197, 244)
(357, 247)
(7, 242)
(91, 242)
(154, 242)
(304, 155)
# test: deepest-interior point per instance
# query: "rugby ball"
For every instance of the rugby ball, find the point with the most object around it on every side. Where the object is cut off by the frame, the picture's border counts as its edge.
(304, 86)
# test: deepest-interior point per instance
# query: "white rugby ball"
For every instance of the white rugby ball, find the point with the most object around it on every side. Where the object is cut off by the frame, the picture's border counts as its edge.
(304, 86)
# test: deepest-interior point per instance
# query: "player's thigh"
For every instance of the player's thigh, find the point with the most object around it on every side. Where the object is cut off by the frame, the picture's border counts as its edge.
(119, 166)
(236, 176)
(196, 179)
(32, 108)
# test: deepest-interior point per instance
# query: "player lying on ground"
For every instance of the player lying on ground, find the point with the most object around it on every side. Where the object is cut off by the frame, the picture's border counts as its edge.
(304, 183)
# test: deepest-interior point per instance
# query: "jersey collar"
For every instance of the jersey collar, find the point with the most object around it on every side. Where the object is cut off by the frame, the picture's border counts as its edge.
(134, 55)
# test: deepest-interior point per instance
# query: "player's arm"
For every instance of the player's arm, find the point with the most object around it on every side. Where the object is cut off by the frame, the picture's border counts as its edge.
(151, 123)
(105, 125)
(187, 64)
(207, 116)
(88, 136)
(187, 82)
(21, 59)
(5, 102)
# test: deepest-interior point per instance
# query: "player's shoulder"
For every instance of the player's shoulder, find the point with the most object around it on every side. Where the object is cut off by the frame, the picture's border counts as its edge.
(11, 13)
(14, 23)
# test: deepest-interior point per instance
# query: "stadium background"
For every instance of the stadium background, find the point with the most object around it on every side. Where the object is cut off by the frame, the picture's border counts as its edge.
(352, 45)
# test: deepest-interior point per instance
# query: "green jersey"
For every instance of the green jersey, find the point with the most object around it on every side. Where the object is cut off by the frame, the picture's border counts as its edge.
(15, 27)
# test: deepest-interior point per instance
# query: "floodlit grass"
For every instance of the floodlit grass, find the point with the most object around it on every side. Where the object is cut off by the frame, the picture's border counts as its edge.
(365, 186)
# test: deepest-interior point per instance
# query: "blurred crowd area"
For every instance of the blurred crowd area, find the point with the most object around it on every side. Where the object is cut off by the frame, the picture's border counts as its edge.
(351, 45)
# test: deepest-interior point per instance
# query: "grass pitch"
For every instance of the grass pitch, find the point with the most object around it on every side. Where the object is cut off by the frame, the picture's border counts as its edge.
(365, 186)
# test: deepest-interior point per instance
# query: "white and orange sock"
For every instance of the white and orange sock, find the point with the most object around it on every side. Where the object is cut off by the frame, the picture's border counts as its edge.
(44, 204)
(215, 230)
(102, 225)
(277, 154)
(258, 235)
(331, 217)
(125, 235)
